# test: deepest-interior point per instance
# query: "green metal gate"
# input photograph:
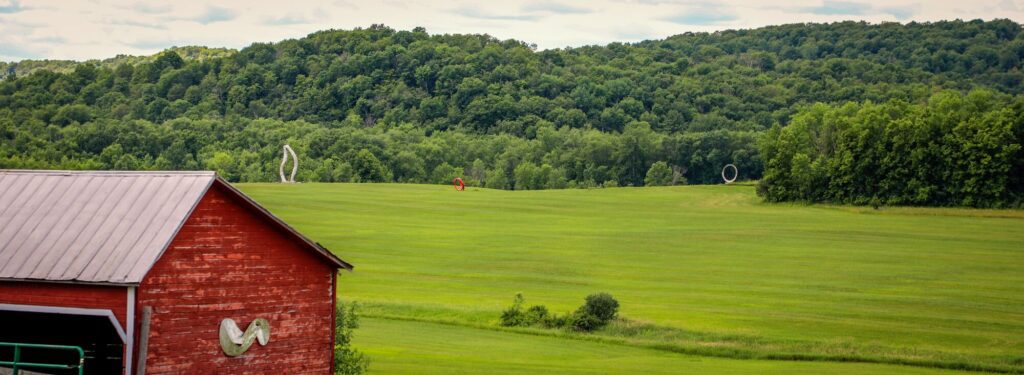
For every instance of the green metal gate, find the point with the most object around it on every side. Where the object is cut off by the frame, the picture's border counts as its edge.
(17, 365)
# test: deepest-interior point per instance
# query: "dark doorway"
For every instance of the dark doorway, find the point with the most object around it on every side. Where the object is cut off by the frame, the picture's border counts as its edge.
(96, 335)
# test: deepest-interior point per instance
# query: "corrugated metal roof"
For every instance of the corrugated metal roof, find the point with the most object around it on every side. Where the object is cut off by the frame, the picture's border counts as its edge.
(106, 227)
(99, 227)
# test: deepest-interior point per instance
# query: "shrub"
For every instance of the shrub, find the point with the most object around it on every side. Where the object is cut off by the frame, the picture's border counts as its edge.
(598, 310)
(557, 321)
(514, 316)
(346, 359)
(602, 306)
(535, 315)
(585, 322)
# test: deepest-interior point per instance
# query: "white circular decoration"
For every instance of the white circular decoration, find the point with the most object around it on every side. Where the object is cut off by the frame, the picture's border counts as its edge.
(735, 173)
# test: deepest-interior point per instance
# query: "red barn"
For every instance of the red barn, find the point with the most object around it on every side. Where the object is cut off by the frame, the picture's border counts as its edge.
(144, 270)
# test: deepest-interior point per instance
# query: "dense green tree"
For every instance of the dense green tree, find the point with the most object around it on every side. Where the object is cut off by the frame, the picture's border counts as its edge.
(445, 173)
(367, 168)
(72, 113)
(528, 177)
(408, 167)
(660, 174)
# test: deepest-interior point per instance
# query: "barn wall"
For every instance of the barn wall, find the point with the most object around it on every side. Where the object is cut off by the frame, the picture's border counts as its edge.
(227, 262)
(111, 298)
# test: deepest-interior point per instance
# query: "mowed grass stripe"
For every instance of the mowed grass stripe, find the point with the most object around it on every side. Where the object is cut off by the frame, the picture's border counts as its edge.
(404, 347)
(712, 259)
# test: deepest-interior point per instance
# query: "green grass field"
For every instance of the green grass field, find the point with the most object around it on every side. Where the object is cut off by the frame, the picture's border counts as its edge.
(709, 278)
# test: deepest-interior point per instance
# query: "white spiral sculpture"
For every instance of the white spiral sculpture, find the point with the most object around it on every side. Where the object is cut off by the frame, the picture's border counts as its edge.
(295, 164)
(735, 174)
(234, 342)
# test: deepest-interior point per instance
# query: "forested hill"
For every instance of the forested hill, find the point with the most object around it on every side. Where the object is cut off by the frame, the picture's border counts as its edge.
(187, 53)
(383, 105)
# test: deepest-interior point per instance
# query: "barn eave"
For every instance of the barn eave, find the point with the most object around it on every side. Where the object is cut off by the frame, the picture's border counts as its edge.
(125, 266)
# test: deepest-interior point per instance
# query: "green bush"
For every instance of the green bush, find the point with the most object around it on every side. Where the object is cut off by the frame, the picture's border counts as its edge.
(536, 315)
(557, 321)
(514, 316)
(585, 322)
(602, 306)
(347, 360)
(598, 310)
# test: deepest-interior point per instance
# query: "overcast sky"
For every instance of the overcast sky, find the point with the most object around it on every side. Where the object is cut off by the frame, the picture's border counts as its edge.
(70, 29)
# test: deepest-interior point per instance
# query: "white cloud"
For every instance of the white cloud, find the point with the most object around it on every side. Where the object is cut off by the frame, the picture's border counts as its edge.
(79, 29)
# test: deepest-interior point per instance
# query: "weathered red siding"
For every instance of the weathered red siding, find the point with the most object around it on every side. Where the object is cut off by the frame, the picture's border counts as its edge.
(227, 262)
(68, 295)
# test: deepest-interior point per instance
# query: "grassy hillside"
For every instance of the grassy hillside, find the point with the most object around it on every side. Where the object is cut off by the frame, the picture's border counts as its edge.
(706, 270)
(403, 347)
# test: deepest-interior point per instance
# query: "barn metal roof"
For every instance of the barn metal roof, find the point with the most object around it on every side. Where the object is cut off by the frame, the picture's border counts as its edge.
(101, 227)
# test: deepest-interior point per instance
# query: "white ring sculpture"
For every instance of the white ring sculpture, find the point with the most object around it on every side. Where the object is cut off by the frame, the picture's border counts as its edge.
(295, 164)
(736, 173)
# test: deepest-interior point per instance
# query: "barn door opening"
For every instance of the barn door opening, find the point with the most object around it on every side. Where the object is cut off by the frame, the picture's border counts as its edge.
(96, 335)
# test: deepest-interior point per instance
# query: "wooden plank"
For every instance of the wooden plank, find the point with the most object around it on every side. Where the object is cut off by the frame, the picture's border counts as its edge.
(147, 314)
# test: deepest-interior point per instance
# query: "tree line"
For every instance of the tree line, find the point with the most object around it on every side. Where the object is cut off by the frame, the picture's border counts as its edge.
(953, 150)
(377, 104)
(250, 150)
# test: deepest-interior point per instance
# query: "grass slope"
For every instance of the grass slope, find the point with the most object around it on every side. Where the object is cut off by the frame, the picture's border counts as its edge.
(403, 347)
(699, 270)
